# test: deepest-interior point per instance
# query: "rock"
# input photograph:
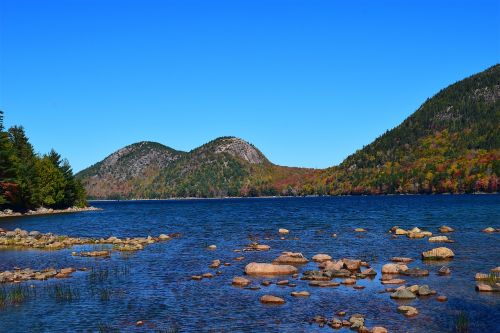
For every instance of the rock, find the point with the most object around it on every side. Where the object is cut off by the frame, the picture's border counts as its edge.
(488, 288)
(369, 272)
(270, 299)
(401, 259)
(317, 275)
(351, 264)
(239, 258)
(264, 269)
(208, 275)
(215, 263)
(442, 298)
(358, 287)
(437, 239)
(408, 311)
(394, 268)
(415, 272)
(240, 281)
(439, 253)
(349, 281)
(300, 294)
(444, 229)
(489, 230)
(400, 231)
(283, 231)
(91, 254)
(282, 283)
(359, 230)
(403, 294)
(335, 323)
(139, 323)
(324, 284)
(481, 276)
(357, 321)
(444, 271)
(495, 270)
(212, 247)
(295, 258)
(379, 329)
(196, 277)
(257, 247)
(341, 313)
(332, 265)
(67, 270)
(163, 237)
(424, 291)
(266, 283)
(393, 281)
(320, 257)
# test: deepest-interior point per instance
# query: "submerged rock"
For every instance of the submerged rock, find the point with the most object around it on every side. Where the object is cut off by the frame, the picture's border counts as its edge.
(408, 311)
(270, 299)
(444, 271)
(300, 293)
(445, 229)
(240, 281)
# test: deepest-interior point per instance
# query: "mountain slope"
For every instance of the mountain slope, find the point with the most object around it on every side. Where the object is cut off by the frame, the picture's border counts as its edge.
(226, 166)
(121, 172)
(450, 144)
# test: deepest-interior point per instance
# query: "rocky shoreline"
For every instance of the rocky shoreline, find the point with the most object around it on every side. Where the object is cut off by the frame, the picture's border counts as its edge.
(47, 211)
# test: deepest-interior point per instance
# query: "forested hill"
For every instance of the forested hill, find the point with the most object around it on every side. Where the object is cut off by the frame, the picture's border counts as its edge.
(29, 180)
(226, 166)
(450, 144)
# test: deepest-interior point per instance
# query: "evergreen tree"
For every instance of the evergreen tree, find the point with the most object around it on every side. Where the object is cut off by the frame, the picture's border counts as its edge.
(27, 177)
(8, 186)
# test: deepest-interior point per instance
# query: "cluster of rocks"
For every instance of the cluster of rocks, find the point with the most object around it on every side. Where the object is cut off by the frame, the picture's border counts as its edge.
(356, 322)
(27, 274)
(412, 292)
(38, 240)
(45, 211)
(417, 233)
(413, 233)
(92, 254)
(389, 271)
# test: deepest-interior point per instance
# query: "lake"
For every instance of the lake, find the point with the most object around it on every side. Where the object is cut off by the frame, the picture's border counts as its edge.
(154, 285)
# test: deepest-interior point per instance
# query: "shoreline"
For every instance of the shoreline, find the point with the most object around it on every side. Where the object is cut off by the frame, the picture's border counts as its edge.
(47, 211)
(294, 196)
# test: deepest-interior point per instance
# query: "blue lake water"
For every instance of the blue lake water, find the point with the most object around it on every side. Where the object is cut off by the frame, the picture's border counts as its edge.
(154, 285)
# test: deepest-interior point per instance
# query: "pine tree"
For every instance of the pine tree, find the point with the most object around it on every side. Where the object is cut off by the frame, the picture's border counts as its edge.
(8, 185)
(28, 179)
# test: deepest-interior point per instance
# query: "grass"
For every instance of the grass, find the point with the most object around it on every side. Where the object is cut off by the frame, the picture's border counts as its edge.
(492, 278)
(15, 295)
(462, 323)
(64, 292)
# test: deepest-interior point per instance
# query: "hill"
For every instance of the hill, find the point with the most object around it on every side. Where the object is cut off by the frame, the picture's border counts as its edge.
(226, 166)
(451, 144)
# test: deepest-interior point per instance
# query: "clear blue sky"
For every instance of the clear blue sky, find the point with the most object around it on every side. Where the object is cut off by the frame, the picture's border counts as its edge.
(308, 82)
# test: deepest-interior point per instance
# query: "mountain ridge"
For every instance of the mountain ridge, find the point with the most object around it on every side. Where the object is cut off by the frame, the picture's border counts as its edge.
(450, 144)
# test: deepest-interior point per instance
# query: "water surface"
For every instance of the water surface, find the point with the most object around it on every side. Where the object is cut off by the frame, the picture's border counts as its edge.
(153, 285)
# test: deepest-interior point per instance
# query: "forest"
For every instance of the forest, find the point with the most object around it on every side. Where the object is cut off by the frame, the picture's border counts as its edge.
(29, 180)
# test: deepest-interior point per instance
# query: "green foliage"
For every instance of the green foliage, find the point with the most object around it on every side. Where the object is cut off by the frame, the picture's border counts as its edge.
(28, 181)
(451, 144)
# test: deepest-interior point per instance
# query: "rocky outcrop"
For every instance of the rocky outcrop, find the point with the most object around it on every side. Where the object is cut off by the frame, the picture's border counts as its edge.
(440, 253)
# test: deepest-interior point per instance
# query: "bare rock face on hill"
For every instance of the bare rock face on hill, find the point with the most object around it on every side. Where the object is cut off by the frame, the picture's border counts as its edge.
(226, 166)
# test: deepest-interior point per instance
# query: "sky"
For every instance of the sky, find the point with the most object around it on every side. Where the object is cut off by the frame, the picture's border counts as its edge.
(307, 82)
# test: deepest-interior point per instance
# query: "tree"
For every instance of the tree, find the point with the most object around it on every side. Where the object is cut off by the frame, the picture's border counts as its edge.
(27, 177)
(8, 185)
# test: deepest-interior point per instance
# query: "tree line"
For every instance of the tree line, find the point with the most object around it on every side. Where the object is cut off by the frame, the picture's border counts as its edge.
(29, 180)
